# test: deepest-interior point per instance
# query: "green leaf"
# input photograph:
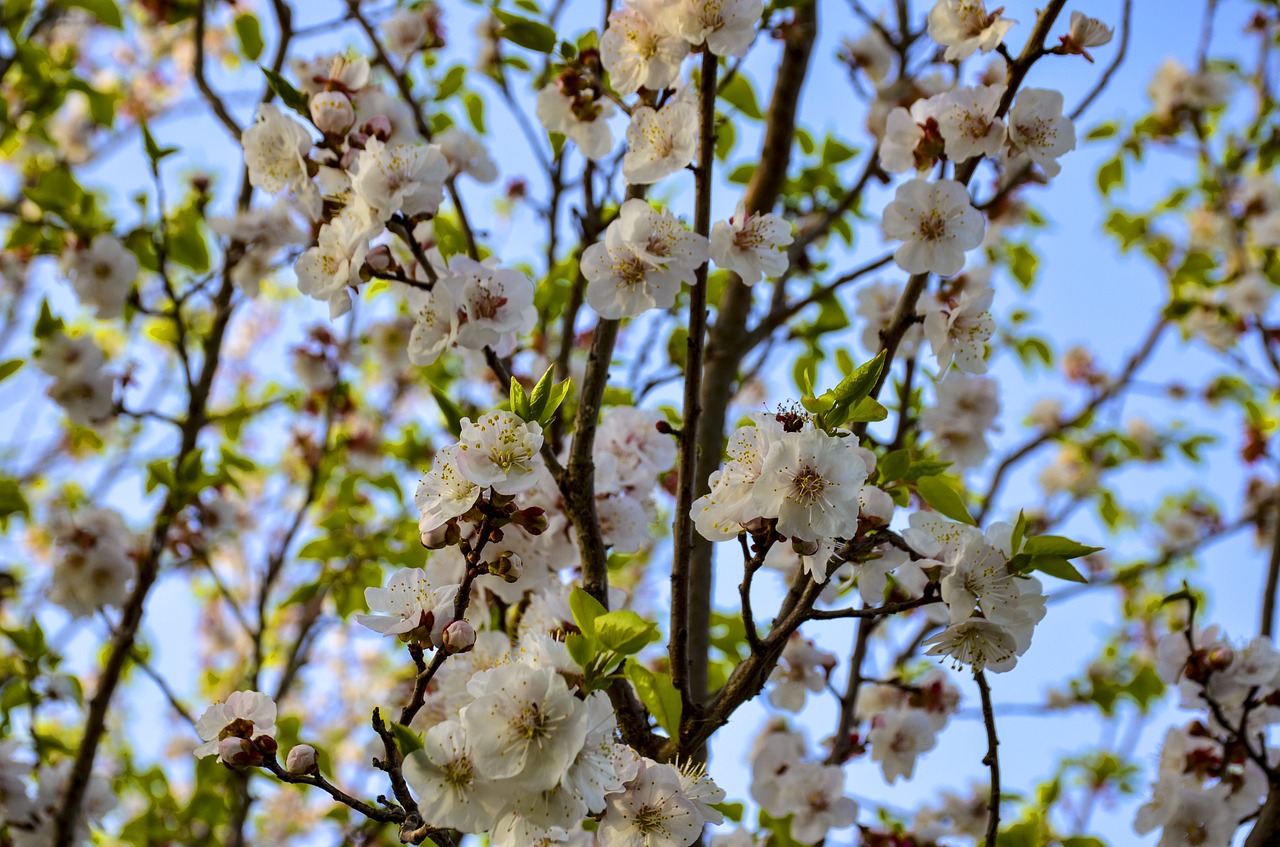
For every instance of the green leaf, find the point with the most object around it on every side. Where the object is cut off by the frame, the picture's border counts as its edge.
(12, 502)
(520, 400)
(408, 740)
(851, 390)
(1056, 545)
(1057, 566)
(1022, 264)
(1019, 533)
(9, 368)
(249, 31)
(739, 94)
(46, 323)
(868, 409)
(659, 696)
(290, 96)
(475, 111)
(449, 411)
(541, 393)
(894, 465)
(1110, 175)
(944, 498)
(154, 151)
(526, 33)
(104, 10)
(624, 632)
(559, 392)
(585, 610)
(451, 82)
(580, 648)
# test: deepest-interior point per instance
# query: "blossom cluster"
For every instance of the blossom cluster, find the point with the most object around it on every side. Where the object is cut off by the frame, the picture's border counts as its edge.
(29, 817)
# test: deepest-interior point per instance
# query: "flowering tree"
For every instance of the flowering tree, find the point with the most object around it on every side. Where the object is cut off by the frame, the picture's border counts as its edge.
(627, 377)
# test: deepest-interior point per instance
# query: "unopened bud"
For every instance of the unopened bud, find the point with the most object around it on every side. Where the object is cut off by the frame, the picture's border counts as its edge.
(331, 112)
(532, 520)
(757, 526)
(380, 258)
(266, 745)
(237, 752)
(459, 637)
(301, 760)
(508, 567)
(804, 548)
(1220, 657)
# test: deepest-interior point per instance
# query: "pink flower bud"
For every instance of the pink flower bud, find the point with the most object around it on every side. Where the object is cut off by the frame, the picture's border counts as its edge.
(459, 637)
(301, 760)
(237, 752)
(332, 113)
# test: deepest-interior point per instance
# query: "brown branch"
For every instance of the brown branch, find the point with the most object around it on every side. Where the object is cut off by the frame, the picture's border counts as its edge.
(1267, 628)
(1125, 20)
(315, 780)
(687, 469)
(723, 353)
(1114, 387)
(843, 743)
(215, 102)
(991, 760)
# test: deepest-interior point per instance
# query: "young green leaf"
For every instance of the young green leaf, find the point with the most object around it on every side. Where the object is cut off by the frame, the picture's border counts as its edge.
(659, 696)
(944, 498)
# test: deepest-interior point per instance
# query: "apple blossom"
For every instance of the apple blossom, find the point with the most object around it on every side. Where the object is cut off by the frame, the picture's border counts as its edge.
(246, 715)
(640, 48)
(660, 142)
(102, 274)
(727, 27)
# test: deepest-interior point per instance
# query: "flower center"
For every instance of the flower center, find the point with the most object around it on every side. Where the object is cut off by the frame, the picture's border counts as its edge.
(807, 485)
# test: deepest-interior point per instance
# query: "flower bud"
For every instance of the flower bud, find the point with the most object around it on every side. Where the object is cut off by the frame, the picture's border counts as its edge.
(237, 752)
(378, 126)
(266, 745)
(804, 548)
(331, 112)
(380, 258)
(459, 637)
(757, 525)
(508, 567)
(301, 760)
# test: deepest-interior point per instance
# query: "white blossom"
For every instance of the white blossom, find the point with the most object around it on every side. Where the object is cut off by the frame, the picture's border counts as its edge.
(968, 122)
(444, 778)
(729, 504)
(645, 257)
(275, 152)
(500, 450)
(965, 26)
(444, 492)
(467, 154)
(652, 812)
(814, 793)
(1039, 130)
(978, 643)
(726, 26)
(1086, 32)
(578, 115)
(409, 606)
(965, 410)
(640, 47)
(937, 225)
(897, 738)
(524, 725)
(660, 142)
(802, 669)
(246, 714)
(959, 330)
(329, 270)
(102, 274)
(95, 560)
(810, 483)
(405, 178)
(752, 246)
